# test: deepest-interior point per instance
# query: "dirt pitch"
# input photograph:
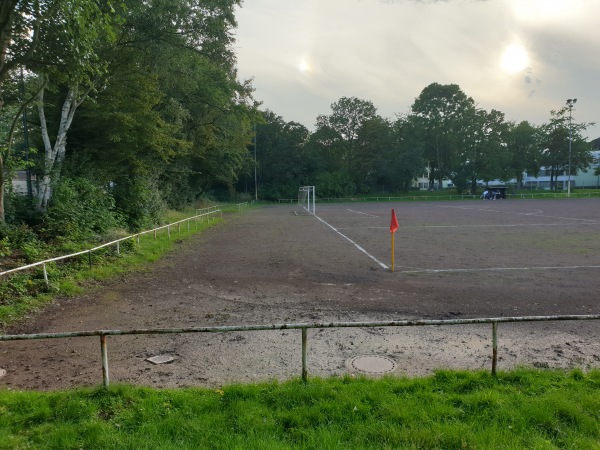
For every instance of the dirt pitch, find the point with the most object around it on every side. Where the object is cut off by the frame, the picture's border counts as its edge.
(269, 265)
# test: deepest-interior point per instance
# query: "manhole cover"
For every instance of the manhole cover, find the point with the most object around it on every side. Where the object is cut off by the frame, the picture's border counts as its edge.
(371, 364)
(160, 359)
(2, 372)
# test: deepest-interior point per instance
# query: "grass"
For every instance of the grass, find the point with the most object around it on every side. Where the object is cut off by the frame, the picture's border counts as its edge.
(521, 409)
(25, 293)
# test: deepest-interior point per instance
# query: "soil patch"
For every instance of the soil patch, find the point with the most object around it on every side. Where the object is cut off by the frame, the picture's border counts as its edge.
(269, 265)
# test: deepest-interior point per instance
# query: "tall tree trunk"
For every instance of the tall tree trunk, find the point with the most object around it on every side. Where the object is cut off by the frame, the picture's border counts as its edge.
(55, 154)
(2, 215)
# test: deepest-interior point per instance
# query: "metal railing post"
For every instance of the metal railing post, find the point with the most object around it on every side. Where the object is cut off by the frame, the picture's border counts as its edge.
(46, 276)
(169, 230)
(494, 347)
(105, 380)
(304, 355)
(118, 249)
(90, 258)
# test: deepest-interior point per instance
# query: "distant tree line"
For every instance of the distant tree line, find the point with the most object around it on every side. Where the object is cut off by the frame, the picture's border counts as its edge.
(445, 135)
(119, 109)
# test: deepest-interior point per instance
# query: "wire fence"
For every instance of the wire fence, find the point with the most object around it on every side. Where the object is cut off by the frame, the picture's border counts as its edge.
(304, 327)
(424, 198)
(413, 198)
(210, 213)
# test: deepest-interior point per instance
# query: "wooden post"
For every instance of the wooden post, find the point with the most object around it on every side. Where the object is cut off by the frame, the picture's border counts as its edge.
(393, 251)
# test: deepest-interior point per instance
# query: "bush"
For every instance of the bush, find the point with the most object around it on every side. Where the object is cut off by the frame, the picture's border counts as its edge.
(79, 209)
(18, 208)
(139, 201)
(17, 240)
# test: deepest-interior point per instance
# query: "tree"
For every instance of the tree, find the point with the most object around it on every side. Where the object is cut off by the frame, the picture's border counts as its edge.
(557, 155)
(336, 139)
(180, 126)
(523, 145)
(400, 160)
(441, 112)
(283, 162)
(483, 154)
(55, 39)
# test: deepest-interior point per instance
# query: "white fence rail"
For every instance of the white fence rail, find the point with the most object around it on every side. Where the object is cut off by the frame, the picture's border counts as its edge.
(304, 327)
(210, 213)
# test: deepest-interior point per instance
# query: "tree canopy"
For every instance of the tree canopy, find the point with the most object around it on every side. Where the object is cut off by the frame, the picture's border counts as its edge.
(138, 106)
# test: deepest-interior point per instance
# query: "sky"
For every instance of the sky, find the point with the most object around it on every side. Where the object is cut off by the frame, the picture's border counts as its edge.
(522, 57)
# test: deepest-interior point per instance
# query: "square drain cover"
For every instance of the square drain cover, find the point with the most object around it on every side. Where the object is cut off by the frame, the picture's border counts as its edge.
(160, 359)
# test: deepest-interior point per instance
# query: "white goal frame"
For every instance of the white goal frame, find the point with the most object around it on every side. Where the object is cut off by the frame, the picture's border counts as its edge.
(306, 199)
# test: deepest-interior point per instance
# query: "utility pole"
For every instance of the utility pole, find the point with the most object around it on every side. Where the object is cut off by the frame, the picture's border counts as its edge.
(255, 181)
(570, 103)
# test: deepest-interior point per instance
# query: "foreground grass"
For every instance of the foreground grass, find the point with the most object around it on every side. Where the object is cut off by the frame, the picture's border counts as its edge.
(26, 292)
(522, 409)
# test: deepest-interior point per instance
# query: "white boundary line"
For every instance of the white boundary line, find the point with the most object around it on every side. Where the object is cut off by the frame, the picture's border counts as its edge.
(354, 243)
(538, 213)
(358, 212)
(503, 225)
(499, 269)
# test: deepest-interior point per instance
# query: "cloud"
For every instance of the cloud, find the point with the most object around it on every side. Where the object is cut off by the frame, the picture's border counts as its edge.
(388, 51)
(432, 1)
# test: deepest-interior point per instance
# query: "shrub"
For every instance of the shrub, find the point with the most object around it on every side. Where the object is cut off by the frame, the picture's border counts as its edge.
(79, 209)
(139, 201)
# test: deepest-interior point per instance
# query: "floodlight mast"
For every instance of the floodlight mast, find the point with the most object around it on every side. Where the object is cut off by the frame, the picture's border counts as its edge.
(570, 103)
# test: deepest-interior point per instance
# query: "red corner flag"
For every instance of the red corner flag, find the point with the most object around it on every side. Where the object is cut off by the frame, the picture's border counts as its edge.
(394, 224)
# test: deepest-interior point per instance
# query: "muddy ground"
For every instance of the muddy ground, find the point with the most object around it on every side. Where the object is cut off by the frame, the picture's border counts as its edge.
(270, 265)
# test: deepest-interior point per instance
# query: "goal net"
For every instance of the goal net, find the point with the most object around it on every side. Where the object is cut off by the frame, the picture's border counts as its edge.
(306, 199)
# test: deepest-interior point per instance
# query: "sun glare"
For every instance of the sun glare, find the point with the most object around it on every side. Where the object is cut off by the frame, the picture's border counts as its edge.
(514, 59)
(304, 66)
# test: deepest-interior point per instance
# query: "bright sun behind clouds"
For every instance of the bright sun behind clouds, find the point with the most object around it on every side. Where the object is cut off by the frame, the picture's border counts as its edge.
(304, 66)
(515, 58)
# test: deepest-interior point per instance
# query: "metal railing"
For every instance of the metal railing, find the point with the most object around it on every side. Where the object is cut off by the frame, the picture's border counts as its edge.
(209, 212)
(304, 327)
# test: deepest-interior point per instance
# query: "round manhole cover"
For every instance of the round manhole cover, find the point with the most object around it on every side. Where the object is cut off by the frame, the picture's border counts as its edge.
(371, 364)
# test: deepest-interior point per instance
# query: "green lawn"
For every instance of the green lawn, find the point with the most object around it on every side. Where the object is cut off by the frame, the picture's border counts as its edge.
(522, 409)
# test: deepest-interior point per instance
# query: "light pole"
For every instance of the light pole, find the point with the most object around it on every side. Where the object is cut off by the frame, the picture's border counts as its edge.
(255, 180)
(570, 103)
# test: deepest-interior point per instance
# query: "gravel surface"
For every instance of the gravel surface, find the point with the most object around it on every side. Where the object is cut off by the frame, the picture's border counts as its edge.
(272, 265)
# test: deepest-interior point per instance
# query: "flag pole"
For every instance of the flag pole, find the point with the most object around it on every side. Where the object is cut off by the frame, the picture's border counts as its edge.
(393, 251)
(393, 228)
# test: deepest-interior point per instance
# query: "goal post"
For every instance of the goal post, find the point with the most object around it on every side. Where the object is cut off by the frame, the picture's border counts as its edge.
(306, 198)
